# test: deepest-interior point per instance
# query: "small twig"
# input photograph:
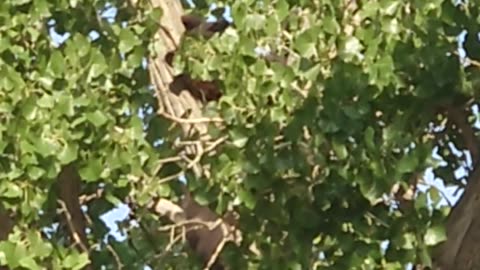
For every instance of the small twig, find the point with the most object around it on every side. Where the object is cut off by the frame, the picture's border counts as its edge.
(281, 145)
(181, 236)
(473, 62)
(74, 233)
(210, 225)
(173, 241)
(161, 162)
(170, 177)
(198, 156)
(376, 218)
(109, 247)
(185, 143)
(302, 92)
(200, 151)
(86, 198)
(115, 256)
(214, 144)
(168, 160)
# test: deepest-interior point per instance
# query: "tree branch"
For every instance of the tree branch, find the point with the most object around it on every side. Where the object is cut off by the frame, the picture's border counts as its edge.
(69, 184)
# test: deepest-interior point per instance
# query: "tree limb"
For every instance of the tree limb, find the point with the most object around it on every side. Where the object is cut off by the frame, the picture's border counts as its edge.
(69, 185)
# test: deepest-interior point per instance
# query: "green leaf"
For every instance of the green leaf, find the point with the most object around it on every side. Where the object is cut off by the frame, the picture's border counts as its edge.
(330, 25)
(156, 14)
(92, 170)
(239, 139)
(12, 79)
(408, 241)
(68, 153)
(305, 45)
(247, 198)
(46, 147)
(29, 109)
(7, 251)
(57, 64)
(128, 40)
(65, 104)
(75, 261)
(10, 190)
(38, 246)
(435, 195)
(97, 118)
(369, 188)
(369, 138)
(282, 9)
(408, 163)
(163, 190)
(46, 82)
(255, 21)
(35, 172)
(351, 48)
(98, 65)
(340, 150)
(46, 101)
(80, 47)
(112, 199)
(41, 8)
(29, 263)
(239, 13)
(390, 7)
(313, 72)
(435, 235)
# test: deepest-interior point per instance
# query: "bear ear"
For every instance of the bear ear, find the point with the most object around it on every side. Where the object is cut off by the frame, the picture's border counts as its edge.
(191, 21)
(199, 26)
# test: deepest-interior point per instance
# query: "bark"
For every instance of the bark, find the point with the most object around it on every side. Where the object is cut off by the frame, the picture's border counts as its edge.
(162, 74)
(6, 226)
(460, 251)
(69, 184)
(69, 189)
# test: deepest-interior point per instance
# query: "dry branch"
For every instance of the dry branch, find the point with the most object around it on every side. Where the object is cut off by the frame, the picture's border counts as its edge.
(72, 227)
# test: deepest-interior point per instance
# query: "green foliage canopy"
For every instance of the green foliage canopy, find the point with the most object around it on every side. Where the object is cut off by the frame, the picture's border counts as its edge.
(312, 147)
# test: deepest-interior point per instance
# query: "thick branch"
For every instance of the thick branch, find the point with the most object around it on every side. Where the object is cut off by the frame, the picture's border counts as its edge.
(463, 230)
(69, 184)
(6, 226)
(463, 225)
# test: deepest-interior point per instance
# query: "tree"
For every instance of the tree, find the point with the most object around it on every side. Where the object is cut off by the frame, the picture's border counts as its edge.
(314, 156)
